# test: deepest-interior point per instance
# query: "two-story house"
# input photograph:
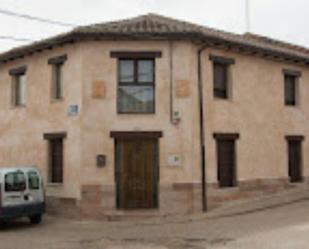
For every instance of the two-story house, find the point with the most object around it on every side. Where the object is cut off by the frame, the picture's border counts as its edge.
(155, 113)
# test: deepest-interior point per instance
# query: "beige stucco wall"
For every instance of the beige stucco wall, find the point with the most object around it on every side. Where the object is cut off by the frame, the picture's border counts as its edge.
(256, 111)
(22, 128)
(100, 115)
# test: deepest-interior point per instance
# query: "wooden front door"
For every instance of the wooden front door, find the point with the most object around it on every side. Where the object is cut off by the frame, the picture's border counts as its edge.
(295, 164)
(137, 173)
(226, 162)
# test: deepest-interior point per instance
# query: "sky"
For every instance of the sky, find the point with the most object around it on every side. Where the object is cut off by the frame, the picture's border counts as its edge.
(280, 19)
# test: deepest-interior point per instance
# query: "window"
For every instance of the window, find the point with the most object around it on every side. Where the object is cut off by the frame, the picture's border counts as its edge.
(295, 166)
(136, 86)
(56, 160)
(19, 90)
(290, 90)
(33, 180)
(57, 76)
(291, 79)
(221, 82)
(55, 156)
(15, 181)
(226, 159)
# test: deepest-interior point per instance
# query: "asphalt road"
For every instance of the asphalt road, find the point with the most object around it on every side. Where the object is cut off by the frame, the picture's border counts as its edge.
(282, 227)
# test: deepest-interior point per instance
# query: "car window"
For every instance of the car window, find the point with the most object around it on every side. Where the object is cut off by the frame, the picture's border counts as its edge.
(33, 180)
(15, 181)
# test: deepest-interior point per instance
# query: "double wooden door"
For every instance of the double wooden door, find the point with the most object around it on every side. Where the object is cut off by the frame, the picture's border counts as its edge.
(137, 173)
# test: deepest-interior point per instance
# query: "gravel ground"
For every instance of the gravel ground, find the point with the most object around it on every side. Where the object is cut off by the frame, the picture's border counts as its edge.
(281, 227)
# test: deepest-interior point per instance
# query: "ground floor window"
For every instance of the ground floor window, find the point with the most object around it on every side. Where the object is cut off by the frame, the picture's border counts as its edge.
(295, 158)
(226, 159)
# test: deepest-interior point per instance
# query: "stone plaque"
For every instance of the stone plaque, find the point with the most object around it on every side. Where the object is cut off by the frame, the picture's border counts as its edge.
(182, 88)
(98, 89)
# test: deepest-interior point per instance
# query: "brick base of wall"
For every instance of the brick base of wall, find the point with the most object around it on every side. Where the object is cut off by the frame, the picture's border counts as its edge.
(99, 201)
(245, 190)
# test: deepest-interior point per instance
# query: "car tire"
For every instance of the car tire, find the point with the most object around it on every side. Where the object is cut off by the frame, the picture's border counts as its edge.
(35, 219)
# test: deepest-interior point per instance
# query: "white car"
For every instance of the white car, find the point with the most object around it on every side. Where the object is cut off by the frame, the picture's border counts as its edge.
(21, 194)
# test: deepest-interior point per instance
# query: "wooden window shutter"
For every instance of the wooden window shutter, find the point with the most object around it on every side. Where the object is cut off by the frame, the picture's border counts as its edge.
(220, 80)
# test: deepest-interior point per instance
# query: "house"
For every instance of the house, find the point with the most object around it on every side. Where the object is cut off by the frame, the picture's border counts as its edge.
(155, 113)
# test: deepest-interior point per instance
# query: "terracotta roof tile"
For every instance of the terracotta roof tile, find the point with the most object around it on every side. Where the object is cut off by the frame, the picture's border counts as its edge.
(153, 26)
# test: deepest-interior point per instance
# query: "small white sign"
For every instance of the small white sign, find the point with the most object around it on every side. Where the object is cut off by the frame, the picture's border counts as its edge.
(174, 160)
(72, 110)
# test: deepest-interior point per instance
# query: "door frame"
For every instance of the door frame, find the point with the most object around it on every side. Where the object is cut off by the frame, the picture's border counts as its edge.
(227, 137)
(299, 139)
(135, 135)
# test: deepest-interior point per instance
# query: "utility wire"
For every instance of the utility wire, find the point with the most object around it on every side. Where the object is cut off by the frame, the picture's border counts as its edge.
(15, 39)
(33, 18)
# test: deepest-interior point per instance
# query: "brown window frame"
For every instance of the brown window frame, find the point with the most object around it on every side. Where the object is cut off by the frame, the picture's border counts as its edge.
(57, 88)
(294, 75)
(290, 100)
(136, 82)
(224, 63)
(221, 137)
(218, 92)
(291, 141)
(55, 177)
(17, 74)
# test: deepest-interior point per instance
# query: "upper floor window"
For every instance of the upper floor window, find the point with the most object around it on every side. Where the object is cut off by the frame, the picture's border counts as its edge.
(136, 86)
(55, 156)
(221, 79)
(291, 87)
(57, 76)
(136, 81)
(18, 86)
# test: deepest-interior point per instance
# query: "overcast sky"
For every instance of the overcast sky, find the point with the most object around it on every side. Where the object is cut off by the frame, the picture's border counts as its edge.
(281, 19)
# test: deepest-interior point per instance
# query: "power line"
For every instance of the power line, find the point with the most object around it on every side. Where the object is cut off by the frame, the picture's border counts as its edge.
(15, 39)
(33, 18)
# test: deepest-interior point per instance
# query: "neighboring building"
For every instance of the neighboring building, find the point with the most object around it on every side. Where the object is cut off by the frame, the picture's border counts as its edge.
(117, 115)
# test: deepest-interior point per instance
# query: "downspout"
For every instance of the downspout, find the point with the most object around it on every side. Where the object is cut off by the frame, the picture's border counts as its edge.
(171, 79)
(202, 128)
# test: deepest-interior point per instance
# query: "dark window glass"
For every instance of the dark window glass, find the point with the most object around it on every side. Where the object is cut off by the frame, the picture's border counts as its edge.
(56, 160)
(15, 181)
(220, 80)
(289, 90)
(19, 90)
(136, 86)
(33, 180)
(57, 81)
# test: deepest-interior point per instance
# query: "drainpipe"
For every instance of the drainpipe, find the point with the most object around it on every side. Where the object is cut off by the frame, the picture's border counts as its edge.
(171, 67)
(202, 129)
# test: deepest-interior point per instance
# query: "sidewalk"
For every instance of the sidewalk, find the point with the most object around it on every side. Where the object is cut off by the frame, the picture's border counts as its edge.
(298, 193)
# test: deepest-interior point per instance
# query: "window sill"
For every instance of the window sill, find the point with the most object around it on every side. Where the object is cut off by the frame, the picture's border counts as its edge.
(54, 100)
(136, 113)
(18, 106)
(54, 185)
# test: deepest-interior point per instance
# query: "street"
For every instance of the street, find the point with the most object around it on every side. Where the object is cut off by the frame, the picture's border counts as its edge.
(281, 227)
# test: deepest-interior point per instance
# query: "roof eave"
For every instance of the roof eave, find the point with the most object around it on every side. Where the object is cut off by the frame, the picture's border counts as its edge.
(211, 41)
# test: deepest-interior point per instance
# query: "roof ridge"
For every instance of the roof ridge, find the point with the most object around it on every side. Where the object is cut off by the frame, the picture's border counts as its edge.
(157, 26)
